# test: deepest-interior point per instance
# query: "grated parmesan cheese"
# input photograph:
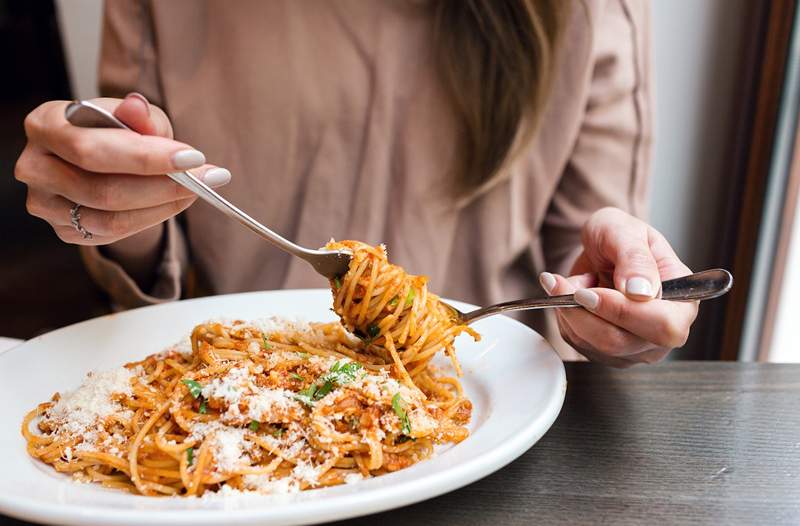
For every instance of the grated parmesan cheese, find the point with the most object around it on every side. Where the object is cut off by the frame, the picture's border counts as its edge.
(78, 412)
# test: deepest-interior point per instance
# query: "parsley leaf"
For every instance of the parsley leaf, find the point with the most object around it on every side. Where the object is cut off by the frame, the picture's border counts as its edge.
(410, 297)
(393, 301)
(203, 407)
(297, 377)
(194, 388)
(399, 406)
(254, 424)
(190, 456)
(267, 346)
(337, 282)
(278, 432)
(373, 331)
(340, 373)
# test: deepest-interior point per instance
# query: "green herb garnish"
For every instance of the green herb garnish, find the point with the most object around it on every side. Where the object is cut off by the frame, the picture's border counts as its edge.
(304, 355)
(190, 456)
(194, 388)
(254, 425)
(203, 407)
(410, 297)
(337, 282)
(267, 346)
(373, 331)
(399, 406)
(297, 377)
(340, 374)
(278, 432)
(393, 301)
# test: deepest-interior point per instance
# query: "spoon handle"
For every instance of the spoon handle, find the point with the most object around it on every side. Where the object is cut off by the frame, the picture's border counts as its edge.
(694, 287)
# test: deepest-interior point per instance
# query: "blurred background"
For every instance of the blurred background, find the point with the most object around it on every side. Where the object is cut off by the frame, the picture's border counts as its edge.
(726, 165)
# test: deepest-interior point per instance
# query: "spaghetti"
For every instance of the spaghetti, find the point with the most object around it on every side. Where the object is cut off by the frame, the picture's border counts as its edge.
(269, 406)
(393, 312)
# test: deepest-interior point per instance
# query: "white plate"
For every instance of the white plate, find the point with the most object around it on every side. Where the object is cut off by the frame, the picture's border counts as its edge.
(513, 377)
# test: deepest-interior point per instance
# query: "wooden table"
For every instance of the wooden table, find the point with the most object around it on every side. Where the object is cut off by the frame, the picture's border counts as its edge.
(678, 443)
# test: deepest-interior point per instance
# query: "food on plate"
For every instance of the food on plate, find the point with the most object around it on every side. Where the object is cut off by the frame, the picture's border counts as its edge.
(273, 405)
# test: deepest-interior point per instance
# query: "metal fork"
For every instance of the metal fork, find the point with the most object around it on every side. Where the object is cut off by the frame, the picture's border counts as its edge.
(329, 263)
(694, 287)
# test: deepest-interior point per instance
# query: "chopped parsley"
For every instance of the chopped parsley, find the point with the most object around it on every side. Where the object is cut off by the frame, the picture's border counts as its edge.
(296, 376)
(399, 406)
(203, 407)
(267, 346)
(194, 388)
(410, 297)
(339, 374)
(373, 331)
(190, 456)
(254, 425)
(277, 432)
(337, 282)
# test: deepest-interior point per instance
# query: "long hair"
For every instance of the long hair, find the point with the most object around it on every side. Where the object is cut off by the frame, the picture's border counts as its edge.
(497, 59)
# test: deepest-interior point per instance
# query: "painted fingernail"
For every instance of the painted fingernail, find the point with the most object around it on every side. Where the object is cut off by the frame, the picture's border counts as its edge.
(185, 159)
(639, 287)
(217, 177)
(587, 298)
(141, 98)
(548, 281)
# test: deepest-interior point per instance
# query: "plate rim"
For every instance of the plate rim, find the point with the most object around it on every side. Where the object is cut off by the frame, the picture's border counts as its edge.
(341, 507)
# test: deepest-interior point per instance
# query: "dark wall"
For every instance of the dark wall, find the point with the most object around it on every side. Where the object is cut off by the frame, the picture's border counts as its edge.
(42, 282)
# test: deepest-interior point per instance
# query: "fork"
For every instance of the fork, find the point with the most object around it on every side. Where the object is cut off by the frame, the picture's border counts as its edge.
(329, 263)
(699, 286)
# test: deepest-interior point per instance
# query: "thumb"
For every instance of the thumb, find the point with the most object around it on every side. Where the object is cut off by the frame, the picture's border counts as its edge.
(635, 268)
(137, 113)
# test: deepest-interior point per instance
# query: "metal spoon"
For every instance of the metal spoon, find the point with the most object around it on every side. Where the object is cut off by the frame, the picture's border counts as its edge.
(329, 263)
(694, 287)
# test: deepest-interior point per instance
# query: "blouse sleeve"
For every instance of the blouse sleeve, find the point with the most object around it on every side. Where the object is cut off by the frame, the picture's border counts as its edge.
(610, 161)
(128, 63)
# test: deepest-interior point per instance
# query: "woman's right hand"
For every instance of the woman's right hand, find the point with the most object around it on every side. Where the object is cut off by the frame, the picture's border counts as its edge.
(109, 172)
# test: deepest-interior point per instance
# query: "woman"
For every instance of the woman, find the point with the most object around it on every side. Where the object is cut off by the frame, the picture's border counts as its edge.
(482, 141)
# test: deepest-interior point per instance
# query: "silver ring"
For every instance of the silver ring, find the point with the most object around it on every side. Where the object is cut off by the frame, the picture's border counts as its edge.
(75, 219)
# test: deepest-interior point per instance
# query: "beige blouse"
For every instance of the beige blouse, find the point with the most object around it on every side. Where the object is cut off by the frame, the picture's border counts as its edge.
(332, 119)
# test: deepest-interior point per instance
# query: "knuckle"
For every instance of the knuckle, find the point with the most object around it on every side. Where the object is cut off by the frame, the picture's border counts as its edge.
(618, 311)
(636, 256)
(32, 122)
(34, 205)
(23, 168)
(675, 333)
(81, 150)
(100, 194)
(146, 159)
(614, 342)
(118, 224)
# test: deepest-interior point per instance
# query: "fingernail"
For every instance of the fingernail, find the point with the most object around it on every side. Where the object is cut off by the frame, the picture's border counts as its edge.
(217, 177)
(185, 159)
(548, 281)
(639, 287)
(587, 298)
(139, 97)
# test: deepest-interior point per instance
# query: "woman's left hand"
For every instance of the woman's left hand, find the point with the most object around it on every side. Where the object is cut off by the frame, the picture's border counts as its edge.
(617, 279)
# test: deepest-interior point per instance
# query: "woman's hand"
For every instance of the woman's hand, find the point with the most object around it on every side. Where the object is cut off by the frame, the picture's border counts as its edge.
(617, 279)
(115, 175)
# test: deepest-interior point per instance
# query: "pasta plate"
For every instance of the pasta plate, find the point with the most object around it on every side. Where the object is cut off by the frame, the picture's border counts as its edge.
(514, 379)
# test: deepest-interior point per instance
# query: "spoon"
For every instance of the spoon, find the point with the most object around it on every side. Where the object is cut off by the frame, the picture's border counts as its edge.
(694, 287)
(329, 263)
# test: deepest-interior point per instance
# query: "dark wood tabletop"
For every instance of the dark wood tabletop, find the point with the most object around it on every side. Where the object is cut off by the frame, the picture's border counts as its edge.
(677, 443)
